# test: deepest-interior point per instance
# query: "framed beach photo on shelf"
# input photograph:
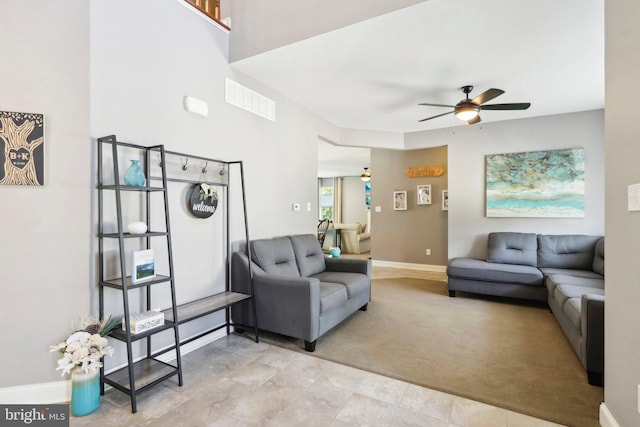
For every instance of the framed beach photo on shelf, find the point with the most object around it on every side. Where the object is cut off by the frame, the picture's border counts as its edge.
(399, 200)
(143, 266)
(445, 200)
(424, 194)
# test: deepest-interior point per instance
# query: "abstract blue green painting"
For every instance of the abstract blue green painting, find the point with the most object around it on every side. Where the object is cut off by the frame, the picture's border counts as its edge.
(536, 184)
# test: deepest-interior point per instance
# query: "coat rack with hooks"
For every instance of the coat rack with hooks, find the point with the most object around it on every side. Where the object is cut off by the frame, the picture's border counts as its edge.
(188, 168)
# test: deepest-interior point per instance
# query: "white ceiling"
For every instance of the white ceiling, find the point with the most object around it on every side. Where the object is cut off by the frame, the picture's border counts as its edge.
(372, 75)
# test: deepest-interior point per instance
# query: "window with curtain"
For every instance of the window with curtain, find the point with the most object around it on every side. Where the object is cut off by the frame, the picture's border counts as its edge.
(325, 194)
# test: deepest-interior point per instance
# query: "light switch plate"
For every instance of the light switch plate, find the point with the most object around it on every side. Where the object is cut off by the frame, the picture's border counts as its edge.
(296, 207)
(378, 208)
(633, 197)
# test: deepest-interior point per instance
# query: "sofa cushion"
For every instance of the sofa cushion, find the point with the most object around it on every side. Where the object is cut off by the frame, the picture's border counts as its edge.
(356, 283)
(308, 253)
(569, 297)
(275, 256)
(563, 292)
(566, 251)
(598, 257)
(512, 248)
(573, 310)
(332, 295)
(476, 269)
(561, 279)
(569, 272)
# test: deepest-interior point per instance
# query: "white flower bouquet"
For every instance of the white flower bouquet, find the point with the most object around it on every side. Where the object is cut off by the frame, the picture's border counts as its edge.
(85, 347)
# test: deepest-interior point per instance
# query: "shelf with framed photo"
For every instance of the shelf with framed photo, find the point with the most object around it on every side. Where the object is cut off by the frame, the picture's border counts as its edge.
(127, 261)
(140, 261)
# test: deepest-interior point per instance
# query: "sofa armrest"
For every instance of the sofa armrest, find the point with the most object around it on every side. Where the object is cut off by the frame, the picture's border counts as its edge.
(364, 236)
(349, 265)
(592, 323)
(288, 305)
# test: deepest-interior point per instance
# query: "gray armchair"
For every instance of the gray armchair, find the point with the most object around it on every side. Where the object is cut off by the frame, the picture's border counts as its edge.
(298, 291)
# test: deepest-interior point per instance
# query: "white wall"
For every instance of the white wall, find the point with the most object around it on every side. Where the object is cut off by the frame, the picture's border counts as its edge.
(622, 245)
(256, 29)
(468, 146)
(354, 208)
(138, 82)
(144, 57)
(45, 254)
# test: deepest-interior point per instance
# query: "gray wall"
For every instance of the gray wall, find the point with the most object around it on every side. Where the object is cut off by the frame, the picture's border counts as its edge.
(403, 236)
(468, 146)
(622, 128)
(45, 254)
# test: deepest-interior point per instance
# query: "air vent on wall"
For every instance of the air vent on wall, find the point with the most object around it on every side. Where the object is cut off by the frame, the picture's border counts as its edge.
(245, 98)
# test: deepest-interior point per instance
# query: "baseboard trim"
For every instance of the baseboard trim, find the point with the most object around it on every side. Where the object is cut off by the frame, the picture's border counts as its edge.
(60, 391)
(410, 266)
(37, 394)
(606, 418)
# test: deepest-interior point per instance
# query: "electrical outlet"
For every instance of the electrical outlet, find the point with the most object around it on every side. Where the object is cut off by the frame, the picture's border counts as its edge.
(428, 252)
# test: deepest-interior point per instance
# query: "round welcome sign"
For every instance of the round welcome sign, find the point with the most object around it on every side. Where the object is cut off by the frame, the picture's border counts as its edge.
(203, 201)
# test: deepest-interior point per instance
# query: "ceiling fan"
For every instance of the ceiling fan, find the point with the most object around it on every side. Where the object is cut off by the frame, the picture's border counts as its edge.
(469, 109)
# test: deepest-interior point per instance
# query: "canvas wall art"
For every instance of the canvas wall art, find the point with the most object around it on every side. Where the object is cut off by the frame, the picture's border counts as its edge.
(21, 148)
(537, 184)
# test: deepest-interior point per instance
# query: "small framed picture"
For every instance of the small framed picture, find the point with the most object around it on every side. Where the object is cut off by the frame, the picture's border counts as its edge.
(424, 194)
(445, 200)
(399, 200)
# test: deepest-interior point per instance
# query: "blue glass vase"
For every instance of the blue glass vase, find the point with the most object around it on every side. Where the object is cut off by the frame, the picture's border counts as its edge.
(85, 392)
(134, 175)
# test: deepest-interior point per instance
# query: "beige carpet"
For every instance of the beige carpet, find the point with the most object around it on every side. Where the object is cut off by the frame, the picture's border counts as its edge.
(501, 352)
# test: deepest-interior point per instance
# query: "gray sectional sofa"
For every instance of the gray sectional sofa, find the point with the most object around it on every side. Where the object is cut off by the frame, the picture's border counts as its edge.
(299, 292)
(566, 271)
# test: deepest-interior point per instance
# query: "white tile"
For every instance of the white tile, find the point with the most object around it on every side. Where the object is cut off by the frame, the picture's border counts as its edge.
(428, 402)
(469, 413)
(365, 411)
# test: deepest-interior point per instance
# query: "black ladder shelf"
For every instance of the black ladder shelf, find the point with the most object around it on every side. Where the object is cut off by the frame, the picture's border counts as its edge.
(143, 374)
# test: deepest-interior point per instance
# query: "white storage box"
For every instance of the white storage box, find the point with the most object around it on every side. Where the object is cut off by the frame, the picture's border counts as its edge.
(144, 321)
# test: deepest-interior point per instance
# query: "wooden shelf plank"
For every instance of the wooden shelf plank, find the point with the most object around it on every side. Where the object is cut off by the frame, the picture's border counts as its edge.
(130, 236)
(121, 335)
(117, 283)
(146, 372)
(204, 306)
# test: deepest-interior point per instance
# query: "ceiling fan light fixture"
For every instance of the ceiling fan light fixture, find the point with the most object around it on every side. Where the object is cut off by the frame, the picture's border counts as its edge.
(366, 175)
(467, 112)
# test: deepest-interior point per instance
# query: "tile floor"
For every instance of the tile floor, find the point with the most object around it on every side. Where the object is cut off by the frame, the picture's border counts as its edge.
(236, 382)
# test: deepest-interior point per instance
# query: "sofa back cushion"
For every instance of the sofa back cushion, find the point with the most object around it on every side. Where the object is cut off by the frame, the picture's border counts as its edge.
(512, 248)
(566, 251)
(275, 256)
(598, 257)
(309, 255)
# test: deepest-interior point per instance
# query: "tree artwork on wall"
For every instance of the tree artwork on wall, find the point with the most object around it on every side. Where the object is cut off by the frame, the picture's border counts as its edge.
(536, 184)
(21, 148)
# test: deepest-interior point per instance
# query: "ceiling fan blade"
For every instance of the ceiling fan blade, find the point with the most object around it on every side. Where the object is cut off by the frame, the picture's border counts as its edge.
(475, 120)
(487, 95)
(515, 106)
(437, 105)
(435, 117)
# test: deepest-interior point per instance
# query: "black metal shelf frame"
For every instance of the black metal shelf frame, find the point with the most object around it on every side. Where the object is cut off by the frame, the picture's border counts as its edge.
(139, 376)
